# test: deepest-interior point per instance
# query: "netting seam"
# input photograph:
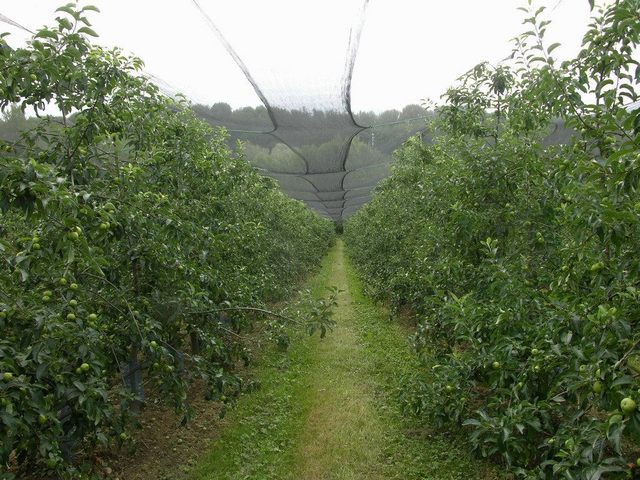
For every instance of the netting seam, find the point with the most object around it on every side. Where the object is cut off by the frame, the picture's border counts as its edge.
(239, 62)
(352, 51)
(5, 19)
(247, 74)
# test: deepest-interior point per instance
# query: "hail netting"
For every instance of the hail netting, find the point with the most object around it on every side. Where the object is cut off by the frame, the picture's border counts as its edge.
(299, 58)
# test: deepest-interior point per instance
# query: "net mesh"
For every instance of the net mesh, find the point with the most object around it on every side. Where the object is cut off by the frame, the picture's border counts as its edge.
(299, 57)
(305, 86)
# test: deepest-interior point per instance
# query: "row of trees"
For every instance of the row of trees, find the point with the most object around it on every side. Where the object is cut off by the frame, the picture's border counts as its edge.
(133, 245)
(521, 259)
(316, 127)
(258, 116)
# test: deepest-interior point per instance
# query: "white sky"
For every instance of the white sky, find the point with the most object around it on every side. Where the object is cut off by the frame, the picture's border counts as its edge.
(409, 50)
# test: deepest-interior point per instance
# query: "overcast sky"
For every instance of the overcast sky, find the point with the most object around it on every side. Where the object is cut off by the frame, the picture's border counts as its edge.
(409, 50)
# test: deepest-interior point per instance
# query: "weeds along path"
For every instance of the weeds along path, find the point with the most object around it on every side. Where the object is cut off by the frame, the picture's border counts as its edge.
(327, 409)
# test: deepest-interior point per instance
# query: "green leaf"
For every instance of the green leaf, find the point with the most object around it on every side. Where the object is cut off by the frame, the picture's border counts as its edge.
(87, 31)
(46, 33)
(472, 421)
(41, 370)
(68, 8)
(9, 420)
(624, 380)
(64, 24)
(553, 47)
(603, 83)
(539, 11)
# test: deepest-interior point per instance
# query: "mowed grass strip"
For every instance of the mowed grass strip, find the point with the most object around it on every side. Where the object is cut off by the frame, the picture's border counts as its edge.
(328, 408)
(344, 434)
(258, 441)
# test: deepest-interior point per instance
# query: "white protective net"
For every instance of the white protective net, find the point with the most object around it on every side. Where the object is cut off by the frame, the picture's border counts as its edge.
(299, 57)
(301, 69)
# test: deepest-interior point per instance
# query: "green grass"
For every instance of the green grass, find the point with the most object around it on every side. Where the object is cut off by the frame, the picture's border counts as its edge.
(259, 442)
(327, 408)
(411, 451)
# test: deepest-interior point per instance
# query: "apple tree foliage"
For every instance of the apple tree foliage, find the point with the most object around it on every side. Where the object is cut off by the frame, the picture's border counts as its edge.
(126, 227)
(520, 255)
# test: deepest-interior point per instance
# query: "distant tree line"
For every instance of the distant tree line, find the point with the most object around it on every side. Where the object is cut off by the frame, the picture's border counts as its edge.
(314, 127)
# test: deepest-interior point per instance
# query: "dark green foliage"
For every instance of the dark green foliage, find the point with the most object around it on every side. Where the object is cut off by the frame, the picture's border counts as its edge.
(126, 225)
(522, 259)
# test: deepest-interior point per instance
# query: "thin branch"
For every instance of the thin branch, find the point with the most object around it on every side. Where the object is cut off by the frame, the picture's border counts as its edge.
(626, 355)
(248, 309)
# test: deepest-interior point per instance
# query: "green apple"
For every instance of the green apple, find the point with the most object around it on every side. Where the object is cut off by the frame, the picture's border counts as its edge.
(628, 405)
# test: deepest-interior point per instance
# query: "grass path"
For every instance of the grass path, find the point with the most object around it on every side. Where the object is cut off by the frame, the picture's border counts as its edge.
(327, 409)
